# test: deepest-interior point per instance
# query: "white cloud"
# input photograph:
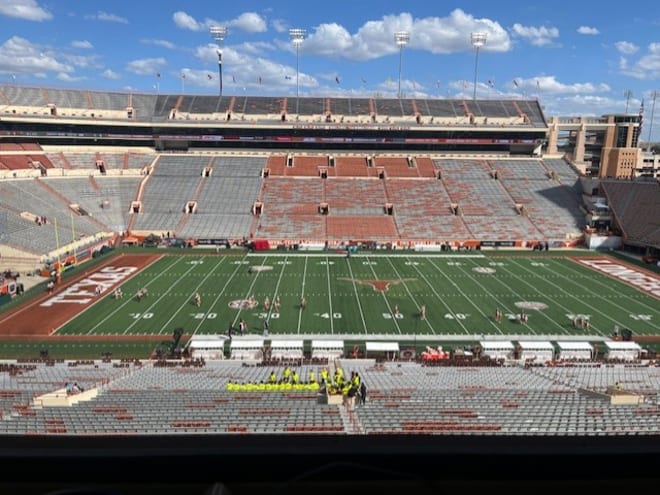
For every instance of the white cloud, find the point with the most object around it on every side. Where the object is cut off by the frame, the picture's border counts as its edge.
(107, 17)
(146, 66)
(18, 55)
(186, 21)
(588, 30)
(648, 66)
(374, 39)
(279, 25)
(109, 74)
(164, 43)
(81, 44)
(66, 77)
(24, 9)
(626, 47)
(250, 22)
(537, 36)
(550, 85)
(81, 60)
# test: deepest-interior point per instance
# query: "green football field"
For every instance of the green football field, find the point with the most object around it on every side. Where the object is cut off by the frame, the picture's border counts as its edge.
(359, 297)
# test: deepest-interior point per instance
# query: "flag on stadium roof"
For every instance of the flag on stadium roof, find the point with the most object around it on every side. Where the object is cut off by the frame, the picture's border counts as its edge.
(259, 80)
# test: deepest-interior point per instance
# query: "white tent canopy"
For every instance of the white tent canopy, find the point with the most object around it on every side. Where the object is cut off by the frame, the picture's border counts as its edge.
(575, 350)
(206, 342)
(618, 345)
(286, 349)
(382, 346)
(286, 344)
(328, 344)
(536, 344)
(625, 350)
(497, 349)
(327, 349)
(538, 350)
(496, 344)
(246, 344)
(207, 346)
(575, 346)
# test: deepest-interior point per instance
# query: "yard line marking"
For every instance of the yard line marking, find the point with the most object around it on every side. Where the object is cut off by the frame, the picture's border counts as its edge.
(602, 284)
(357, 298)
(439, 270)
(188, 296)
(389, 308)
(302, 290)
(327, 269)
(249, 291)
(277, 288)
(215, 301)
(128, 300)
(403, 282)
(517, 294)
(568, 294)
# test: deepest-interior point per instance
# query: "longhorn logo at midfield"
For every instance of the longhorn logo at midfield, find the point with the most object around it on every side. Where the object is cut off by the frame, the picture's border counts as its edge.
(378, 285)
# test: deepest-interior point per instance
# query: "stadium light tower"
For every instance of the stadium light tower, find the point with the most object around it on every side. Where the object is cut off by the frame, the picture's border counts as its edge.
(401, 38)
(478, 40)
(219, 33)
(297, 36)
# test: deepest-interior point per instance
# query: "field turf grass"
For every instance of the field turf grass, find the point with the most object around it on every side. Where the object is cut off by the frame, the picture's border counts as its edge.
(357, 297)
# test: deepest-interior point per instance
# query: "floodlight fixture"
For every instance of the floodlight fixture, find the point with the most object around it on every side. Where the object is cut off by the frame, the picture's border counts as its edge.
(401, 38)
(478, 40)
(297, 36)
(219, 33)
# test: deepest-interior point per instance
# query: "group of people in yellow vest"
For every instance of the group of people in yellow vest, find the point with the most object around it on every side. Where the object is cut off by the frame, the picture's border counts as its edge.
(290, 380)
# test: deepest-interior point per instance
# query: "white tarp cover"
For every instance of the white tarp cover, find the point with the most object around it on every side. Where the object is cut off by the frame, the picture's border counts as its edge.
(328, 344)
(536, 345)
(496, 344)
(246, 344)
(382, 346)
(617, 345)
(286, 344)
(206, 342)
(575, 346)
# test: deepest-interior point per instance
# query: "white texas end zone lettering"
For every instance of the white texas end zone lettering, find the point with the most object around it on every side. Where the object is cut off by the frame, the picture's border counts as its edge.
(646, 282)
(84, 291)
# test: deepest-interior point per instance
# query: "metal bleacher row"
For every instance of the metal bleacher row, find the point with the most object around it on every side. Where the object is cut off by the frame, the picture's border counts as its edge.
(402, 397)
(158, 107)
(422, 192)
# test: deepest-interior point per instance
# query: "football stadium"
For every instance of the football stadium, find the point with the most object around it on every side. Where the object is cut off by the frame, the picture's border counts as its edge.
(400, 271)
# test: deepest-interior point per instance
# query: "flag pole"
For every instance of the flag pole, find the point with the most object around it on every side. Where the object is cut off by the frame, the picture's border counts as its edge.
(73, 239)
(57, 246)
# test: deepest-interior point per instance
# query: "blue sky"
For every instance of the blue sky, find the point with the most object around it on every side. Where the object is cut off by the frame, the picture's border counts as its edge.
(579, 58)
